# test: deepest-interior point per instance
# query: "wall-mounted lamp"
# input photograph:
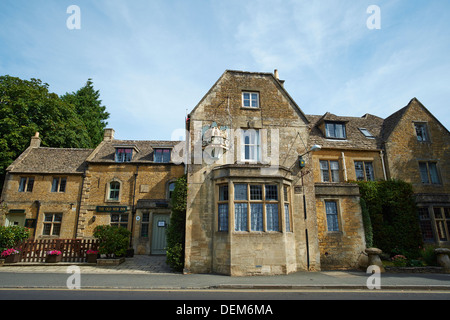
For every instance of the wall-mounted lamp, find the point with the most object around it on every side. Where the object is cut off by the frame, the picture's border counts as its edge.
(301, 161)
(93, 218)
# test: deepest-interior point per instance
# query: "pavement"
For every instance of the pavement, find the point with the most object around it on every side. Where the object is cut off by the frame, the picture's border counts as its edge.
(151, 272)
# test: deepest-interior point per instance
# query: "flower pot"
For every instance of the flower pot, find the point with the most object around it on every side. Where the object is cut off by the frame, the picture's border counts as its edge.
(13, 258)
(53, 258)
(91, 258)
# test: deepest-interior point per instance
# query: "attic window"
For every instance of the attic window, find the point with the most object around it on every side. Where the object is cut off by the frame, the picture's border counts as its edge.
(250, 99)
(124, 154)
(162, 155)
(366, 133)
(335, 130)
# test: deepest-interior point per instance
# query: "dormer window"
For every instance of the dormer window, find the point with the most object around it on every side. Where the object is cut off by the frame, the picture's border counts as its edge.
(161, 155)
(124, 154)
(335, 130)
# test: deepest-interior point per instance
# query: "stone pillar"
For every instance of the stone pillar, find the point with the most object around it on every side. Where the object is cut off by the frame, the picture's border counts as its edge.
(443, 258)
(374, 258)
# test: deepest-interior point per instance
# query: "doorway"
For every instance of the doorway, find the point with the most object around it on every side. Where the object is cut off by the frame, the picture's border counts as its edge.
(159, 237)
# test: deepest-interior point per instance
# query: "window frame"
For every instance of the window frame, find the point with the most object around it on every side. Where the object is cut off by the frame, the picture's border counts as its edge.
(145, 225)
(161, 158)
(57, 187)
(109, 190)
(250, 100)
(223, 217)
(330, 171)
(423, 127)
(428, 173)
(364, 169)
(123, 156)
(336, 215)
(119, 223)
(333, 125)
(52, 223)
(27, 185)
(253, 148)
(262, 220)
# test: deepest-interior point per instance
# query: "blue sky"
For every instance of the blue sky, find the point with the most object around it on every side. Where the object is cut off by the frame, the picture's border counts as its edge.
(154, 59)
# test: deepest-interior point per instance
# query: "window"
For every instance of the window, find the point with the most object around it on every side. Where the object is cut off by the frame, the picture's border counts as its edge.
(59, 184)
(364, 171)
(26, 184)
(119, 220)
(124, 154)
(223, 208)
(114, 190)
(335, 130)
(366, 133)
(425, 224)
(442, 218)
(422, 132)
(332, 215)
(254, 204)
(429, 172)
(329, 171)
(171, 189)
(52, 224)
(250, 145)
(250, 100)
(287, 214)
(144, 224)
(162, 155)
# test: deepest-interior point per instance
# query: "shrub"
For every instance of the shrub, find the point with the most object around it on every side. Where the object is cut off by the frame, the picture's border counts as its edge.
(12, 236)
(114, 240)
(176, 229)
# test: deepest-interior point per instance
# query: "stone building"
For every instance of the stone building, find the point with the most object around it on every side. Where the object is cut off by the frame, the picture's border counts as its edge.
(417, 150)
(351, 151)
(251, 201)
(66, 193)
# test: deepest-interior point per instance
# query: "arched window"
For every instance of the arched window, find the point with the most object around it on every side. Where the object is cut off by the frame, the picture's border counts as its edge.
(170, 189)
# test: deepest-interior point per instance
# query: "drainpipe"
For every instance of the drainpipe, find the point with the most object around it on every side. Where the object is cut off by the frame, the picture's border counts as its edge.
(345, 167)
(382, 163)
(38, 204)
(133, 207)
(79, 204)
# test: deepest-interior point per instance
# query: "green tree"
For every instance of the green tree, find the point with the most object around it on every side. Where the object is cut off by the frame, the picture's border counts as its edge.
(87, 104)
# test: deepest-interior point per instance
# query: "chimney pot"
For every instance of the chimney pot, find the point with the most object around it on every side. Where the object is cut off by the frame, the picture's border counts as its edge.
(108, 134)
(275, 72)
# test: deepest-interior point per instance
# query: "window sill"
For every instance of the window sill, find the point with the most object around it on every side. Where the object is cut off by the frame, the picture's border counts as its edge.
(251, 108)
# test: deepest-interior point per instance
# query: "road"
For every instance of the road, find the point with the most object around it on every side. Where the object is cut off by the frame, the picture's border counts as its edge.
(222, 295)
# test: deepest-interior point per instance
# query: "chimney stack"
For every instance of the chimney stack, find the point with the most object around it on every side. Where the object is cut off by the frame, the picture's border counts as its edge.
(108, 134)
(275, 73)
(35, 141)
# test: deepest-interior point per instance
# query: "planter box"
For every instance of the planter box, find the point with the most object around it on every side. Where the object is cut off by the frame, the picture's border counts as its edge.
(91, 258)
(53, 259)
(110, 262)
(14, 258)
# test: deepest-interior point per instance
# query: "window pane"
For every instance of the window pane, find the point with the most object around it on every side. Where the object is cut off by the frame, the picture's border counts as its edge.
(223, 193)
(423, 172)
(271, 192)
(30, 184)
(339, 133)
(58, 217)
(246, 99)
(240, 216)
(144, 230)
(240, 192)
(272, 217)
(433, 172)
(324, 171)
(114, 218)
(62, 185)
(47, 229)
(255, 100)
(23, 182)
(56, 229)
(256, 192)
(369, 171)
(421, 132)
(334, 166)
(425, 224)
(55, 184)
(223, 217)
(359, 170)
(48, 217)
(256, 216)
(287, 217)
(329, 130)
(331, 212)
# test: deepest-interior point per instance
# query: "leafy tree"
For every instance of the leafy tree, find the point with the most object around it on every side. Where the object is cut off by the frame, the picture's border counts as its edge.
(88, 106)
(27, 106)
(113, 240)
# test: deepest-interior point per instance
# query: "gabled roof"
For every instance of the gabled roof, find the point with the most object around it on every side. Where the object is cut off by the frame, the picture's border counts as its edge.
(271, 76)
(391, 122)
(355, 137)
(51, 160)
(105, 152)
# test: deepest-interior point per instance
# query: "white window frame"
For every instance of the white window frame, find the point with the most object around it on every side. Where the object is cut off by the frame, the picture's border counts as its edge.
(253, 145)
(253, 99)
